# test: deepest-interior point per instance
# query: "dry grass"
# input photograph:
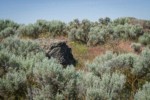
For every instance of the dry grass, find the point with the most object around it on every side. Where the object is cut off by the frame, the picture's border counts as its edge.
(80, 53)
(83, 53)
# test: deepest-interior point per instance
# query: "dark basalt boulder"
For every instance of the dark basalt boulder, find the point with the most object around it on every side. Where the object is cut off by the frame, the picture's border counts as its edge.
(62, 53)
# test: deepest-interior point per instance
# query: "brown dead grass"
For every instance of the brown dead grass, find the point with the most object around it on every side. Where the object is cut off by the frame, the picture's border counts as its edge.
(125, 46)
(115, 46)
(83, 53)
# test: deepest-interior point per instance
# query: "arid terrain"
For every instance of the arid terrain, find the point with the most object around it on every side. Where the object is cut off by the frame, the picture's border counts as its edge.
(80, 60)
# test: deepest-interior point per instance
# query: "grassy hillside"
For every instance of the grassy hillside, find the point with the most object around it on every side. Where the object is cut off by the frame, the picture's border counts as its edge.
(113, 60)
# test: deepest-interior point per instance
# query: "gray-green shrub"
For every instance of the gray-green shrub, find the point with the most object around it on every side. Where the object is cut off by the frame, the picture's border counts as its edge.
(108, 61)
(20, 47)
(52, 28)
(136, 47)
(13, 85)
(143, 93)
(107, 87)
(7, 23)
(145, 39)
(9, 31)
(142, 66)
(31, 30)
(96, 36)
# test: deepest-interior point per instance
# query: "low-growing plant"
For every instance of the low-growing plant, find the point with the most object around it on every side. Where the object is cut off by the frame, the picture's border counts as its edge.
(9, 31)
(136, 47)
(7, 23)
(108, 86)
(96, 36)
(142, 66)
(30, 30)
(57, 28)
(145, 39)
(13, 85)
(53, 28)
(20, 47)
(143, 93)
(71, 34)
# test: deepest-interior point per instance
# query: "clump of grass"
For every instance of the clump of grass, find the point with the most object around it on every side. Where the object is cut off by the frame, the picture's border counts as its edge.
(80, 52)
(136, 47)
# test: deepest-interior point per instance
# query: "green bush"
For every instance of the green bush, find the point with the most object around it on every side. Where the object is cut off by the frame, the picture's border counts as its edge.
(93, 33)
(128, 31)
(136, 47)
(96, 36)
(104, 21)
(8, 61)
(9, 31)
(57, 28)
(78, 31)
(52, 28)
(121, 21)
(142, 66)
(71, 34)
(145, 39)
(43, 26)
(106, 87)
(20, 47)
(13, 85)
(56, 80)
(77, 35)
(7, 28)
(98, 65)
(144, 93)
(109, 61)
(30, 30)
(7, 23)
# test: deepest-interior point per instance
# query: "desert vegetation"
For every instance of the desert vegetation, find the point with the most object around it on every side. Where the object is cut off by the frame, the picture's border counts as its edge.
(112, 60)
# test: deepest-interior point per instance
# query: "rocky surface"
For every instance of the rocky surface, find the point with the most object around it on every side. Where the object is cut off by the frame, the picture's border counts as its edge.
(61, 52)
